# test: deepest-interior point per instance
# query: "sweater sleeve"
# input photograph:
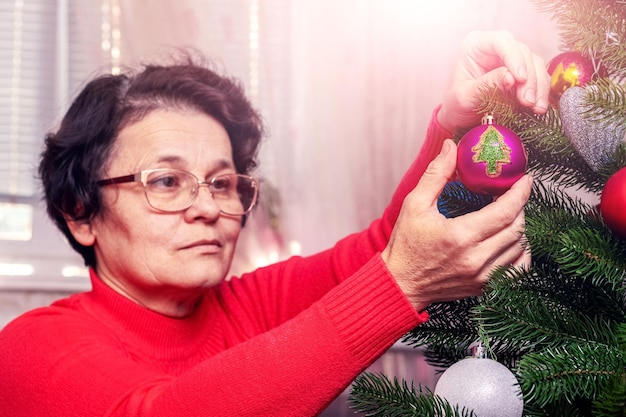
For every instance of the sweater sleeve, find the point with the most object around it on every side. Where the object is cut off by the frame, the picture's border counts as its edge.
(61, 363)
(298, 368)
(279, 292)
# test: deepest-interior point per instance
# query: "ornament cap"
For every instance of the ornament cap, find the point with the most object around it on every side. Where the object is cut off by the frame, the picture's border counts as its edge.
(488, 119)
(479, 351)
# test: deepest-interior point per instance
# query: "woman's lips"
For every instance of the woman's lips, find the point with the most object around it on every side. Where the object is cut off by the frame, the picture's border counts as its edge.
(211, 245)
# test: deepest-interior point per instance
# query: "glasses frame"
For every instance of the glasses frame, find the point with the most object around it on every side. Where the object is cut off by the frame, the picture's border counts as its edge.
(141, 177)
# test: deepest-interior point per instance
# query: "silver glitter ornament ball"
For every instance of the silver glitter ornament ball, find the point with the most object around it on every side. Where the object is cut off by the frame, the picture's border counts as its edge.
(483, 385)
(595, 142)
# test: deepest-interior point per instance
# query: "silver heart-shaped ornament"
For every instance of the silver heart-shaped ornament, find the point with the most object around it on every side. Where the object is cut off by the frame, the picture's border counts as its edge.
(596, 142)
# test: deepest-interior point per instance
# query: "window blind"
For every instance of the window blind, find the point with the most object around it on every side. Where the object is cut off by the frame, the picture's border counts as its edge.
(47, 49)
(27, 34)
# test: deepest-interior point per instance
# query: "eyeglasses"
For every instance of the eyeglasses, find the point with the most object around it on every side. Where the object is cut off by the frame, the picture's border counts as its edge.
(171, 190)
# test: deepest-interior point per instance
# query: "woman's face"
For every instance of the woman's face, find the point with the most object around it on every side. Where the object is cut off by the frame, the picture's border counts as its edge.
(164, 261)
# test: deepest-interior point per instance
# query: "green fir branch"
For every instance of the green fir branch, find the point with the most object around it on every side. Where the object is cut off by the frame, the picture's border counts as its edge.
(571, 372)
(612, 401)
(545, 132)
(621, 336)
(556, 208)
(447, 335)
(594, 299)
(572, 234)
(518, 313)
(440, 357)
(376, 395)
(596, 28)
(606, 101)
(548, 211)
(558, 408)
(563, 171)
(592, 254)
(551, 156)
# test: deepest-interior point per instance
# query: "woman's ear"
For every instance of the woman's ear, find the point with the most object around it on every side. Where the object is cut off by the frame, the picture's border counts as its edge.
(82, 232)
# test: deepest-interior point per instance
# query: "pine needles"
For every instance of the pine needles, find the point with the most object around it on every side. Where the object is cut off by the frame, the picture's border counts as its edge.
(559, 324)
(375, 395)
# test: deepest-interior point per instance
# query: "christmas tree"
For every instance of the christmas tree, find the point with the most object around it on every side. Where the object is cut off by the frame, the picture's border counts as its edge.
(559, 325)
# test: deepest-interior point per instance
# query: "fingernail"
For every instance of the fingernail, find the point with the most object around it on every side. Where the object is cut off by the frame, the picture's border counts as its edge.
(446, 147)
(521, 73)
(530, 95)
(542, 104)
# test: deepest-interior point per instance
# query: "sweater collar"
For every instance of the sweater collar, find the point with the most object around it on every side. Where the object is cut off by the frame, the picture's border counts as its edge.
(149, 330)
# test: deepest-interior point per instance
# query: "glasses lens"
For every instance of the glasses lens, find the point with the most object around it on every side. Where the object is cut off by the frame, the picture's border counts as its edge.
(235, 194)
(170, 189)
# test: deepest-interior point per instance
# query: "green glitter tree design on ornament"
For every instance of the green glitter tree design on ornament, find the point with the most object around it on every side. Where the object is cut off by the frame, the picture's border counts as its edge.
(492, 150)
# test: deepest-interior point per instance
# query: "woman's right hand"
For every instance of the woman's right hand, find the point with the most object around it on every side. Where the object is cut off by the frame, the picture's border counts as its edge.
(435, 259)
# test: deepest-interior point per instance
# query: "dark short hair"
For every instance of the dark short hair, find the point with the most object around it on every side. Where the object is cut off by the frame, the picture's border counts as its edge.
(76, 154)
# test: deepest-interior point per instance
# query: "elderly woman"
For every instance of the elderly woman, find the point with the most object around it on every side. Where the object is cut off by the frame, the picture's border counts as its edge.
(148, 177)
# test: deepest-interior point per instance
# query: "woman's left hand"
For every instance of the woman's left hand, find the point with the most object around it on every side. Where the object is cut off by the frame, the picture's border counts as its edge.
(493, 58)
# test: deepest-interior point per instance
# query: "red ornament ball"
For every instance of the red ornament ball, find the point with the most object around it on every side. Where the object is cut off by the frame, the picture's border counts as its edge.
(570, 69)
(613, 203)
(490, 158)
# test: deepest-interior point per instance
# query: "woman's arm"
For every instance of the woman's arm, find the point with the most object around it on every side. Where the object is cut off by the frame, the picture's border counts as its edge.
(63, 361)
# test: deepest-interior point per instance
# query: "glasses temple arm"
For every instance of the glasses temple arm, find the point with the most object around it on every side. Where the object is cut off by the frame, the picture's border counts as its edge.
(118, 180)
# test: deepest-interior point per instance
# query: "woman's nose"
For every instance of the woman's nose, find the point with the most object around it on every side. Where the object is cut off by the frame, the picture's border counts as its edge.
(204, 204)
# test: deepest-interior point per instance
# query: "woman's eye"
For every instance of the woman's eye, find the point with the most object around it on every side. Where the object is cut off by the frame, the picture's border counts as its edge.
(165, 182)
(221, 184)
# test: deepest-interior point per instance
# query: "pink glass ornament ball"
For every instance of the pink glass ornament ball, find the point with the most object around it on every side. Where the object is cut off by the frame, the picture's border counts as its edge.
(490, 159)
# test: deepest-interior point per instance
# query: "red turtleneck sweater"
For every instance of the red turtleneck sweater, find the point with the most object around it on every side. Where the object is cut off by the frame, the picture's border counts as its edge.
(284, 340)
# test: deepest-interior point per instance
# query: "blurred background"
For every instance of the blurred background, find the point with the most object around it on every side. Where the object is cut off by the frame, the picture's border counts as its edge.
(346, 89)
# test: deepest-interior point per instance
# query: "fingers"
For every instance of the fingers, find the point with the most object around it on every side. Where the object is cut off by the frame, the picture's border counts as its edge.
(528, 70)
(543, 87)
(437, 174)
(524, 260)
(506, 245)
(522, 69)
(533, 91)
(493, 58)
(502, 212)
(498, 48)
(503, 237)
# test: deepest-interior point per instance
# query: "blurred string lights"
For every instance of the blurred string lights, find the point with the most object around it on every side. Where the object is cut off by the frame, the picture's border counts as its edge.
(271, 249)
(111, 33)
(253, 45)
